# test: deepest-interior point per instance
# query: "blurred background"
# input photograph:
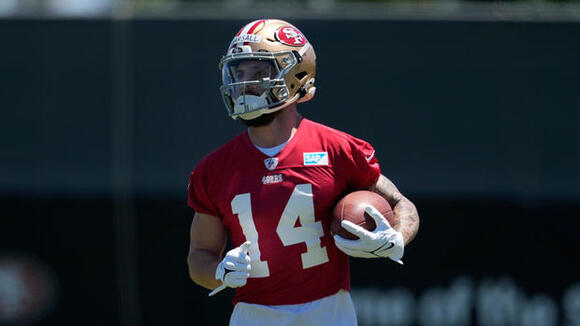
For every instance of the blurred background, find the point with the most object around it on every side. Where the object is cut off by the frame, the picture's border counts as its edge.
(473, 108)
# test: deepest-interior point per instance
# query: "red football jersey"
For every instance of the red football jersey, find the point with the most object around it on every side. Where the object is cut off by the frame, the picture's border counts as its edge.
(282, 204)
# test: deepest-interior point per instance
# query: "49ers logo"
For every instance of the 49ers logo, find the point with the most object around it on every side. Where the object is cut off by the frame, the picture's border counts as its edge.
(290, 36)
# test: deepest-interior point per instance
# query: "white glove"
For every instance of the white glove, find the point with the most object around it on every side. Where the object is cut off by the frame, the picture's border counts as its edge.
(234, 269)
(384, 241)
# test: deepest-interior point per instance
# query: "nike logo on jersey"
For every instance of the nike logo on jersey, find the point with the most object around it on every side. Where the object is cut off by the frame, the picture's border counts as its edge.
(370, 157)
(315, 158)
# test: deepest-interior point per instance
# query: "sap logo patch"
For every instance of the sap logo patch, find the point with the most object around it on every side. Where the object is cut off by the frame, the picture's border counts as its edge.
(315, 158)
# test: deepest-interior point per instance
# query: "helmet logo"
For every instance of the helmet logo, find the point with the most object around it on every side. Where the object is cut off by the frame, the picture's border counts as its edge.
(290, 36)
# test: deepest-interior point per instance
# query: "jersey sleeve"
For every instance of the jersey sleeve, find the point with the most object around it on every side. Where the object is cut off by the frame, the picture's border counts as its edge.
(198, 192)
(362, 166)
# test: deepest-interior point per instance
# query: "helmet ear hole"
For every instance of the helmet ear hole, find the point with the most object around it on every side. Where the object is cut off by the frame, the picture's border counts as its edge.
(301, 75)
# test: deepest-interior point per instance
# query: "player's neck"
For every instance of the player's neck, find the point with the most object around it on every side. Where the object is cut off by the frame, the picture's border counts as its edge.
(281, 129)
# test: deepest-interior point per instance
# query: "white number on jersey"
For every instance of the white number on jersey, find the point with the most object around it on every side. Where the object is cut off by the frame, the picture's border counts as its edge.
(300, 207)
(241, 205)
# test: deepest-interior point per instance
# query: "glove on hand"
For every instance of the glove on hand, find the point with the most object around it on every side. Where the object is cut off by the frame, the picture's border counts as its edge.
(384, 241)
(234, 269)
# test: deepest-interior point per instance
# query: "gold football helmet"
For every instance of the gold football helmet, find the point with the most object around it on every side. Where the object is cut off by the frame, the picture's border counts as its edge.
(269, 65)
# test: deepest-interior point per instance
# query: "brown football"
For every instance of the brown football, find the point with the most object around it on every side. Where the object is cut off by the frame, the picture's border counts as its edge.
(352, 208)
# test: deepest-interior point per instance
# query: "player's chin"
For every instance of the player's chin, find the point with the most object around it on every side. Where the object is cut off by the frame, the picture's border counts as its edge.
(263, 120)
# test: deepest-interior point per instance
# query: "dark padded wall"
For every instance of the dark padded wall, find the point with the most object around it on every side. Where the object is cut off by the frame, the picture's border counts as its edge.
(453, 108)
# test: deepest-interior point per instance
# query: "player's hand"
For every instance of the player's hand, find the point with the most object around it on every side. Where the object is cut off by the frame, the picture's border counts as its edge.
(234, 269)
(384, 241)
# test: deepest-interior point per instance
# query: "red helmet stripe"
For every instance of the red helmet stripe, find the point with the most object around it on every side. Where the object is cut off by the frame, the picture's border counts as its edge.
(251, 30)
(247, 29)
(254, 26)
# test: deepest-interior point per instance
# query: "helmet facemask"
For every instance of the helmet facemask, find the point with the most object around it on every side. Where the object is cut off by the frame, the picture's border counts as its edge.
(254, 83)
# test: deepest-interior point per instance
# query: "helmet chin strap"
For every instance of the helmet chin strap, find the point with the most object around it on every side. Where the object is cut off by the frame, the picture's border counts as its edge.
(308, 96)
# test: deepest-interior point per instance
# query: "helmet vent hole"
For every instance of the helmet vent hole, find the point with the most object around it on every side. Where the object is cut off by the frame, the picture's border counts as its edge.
(301, 75)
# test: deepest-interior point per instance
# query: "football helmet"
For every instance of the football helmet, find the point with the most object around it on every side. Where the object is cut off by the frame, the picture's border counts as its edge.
(268, 65)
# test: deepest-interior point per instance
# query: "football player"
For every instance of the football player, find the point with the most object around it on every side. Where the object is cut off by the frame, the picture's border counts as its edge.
(273, 187)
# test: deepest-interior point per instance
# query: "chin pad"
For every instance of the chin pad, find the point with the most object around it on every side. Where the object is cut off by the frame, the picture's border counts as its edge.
(249, 101)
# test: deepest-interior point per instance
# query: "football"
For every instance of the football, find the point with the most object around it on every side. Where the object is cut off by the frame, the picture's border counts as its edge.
(352, 208)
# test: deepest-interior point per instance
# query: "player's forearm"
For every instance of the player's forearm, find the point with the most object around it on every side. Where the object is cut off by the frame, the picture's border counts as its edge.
(406, 219)
(202, 265)
(405, 215)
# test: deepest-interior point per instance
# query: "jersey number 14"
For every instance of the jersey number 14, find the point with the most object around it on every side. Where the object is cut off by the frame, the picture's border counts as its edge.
(300, 206)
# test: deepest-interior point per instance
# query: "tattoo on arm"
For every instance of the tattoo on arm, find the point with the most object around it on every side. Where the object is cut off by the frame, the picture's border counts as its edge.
(405, 215)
